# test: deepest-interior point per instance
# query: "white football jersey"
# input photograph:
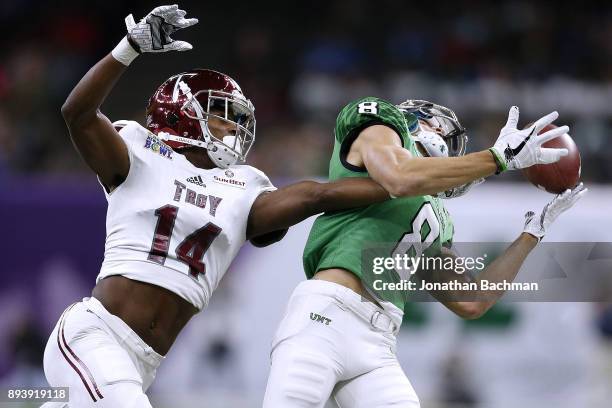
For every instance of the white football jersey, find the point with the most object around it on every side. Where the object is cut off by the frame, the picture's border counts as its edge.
(175, 225)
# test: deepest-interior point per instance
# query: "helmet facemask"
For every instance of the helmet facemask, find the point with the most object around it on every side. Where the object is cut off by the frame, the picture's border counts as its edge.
(446, 131)
(442, 119)
(227, 107)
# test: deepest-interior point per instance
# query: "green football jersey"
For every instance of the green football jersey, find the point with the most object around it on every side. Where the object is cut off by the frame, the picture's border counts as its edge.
(337, 239)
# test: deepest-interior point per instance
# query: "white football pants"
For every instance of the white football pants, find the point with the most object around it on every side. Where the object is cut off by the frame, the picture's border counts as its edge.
(333, 343)
(100, 358)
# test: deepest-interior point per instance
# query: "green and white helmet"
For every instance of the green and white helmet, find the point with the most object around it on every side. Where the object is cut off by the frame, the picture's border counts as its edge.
(447, 129)
(448, 137)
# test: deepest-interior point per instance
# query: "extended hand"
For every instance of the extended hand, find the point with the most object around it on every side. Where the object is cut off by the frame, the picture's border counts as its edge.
(517, 149)
(152, 33)
(537, 226)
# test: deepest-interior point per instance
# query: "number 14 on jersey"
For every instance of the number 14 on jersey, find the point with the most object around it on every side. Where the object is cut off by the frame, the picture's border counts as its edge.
(191, 250)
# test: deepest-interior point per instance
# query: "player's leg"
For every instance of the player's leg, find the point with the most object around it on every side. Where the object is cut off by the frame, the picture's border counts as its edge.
(84, 355)
(307, 355)
(54, 369)
(124, 395)
(382, 387)
(373, 378)
(299, 377)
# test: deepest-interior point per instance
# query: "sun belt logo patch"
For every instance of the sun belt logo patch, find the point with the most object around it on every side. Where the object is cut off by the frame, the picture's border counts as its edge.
(157, 146)
(230, 182)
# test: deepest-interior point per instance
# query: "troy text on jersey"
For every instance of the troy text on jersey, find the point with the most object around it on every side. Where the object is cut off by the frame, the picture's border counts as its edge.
(199, 200)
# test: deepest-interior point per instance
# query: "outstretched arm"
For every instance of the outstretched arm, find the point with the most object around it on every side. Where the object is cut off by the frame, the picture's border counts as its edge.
(506, 266)
(287, 206)
(402, 174)
(379, 150)
(91, 132)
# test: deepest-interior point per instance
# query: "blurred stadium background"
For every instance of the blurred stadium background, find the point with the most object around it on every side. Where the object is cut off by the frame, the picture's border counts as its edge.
(300, 63)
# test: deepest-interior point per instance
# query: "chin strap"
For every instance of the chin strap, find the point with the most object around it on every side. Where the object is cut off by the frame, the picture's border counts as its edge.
(219, 153)
(165, 136)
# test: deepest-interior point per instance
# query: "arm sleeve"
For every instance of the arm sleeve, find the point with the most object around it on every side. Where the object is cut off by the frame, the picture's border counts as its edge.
(262, 183)
(257, 183)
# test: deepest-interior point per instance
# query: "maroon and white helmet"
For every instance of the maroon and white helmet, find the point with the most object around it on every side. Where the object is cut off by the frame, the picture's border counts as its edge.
(180, 108)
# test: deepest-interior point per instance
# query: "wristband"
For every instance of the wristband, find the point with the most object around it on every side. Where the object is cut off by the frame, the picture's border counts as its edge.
(124, 52)
(501, 164)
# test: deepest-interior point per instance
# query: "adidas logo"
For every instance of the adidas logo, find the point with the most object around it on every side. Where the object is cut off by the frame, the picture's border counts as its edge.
(197, 180)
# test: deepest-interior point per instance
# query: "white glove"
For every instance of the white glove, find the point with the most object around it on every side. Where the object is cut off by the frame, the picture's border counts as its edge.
(537, 226)
(152, 33)
(460, 190)
(517, 149)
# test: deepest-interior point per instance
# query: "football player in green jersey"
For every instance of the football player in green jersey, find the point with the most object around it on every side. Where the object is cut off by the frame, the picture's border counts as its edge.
(338, 335)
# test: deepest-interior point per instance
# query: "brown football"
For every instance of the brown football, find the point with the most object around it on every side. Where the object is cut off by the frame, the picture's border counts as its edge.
(557, 177)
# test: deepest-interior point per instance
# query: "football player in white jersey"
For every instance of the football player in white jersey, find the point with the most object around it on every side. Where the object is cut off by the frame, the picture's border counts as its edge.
(179, 208)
